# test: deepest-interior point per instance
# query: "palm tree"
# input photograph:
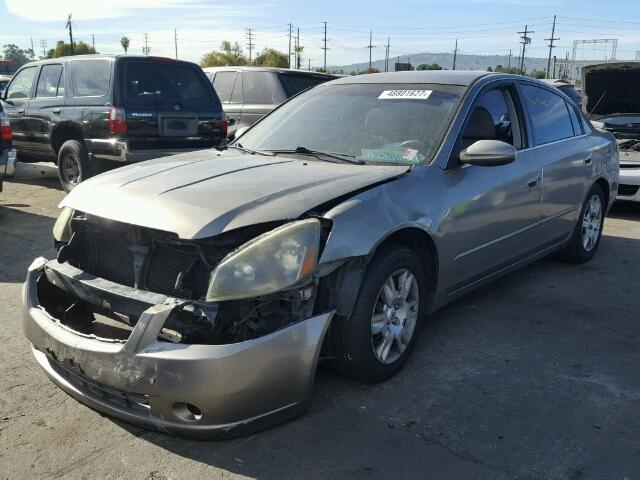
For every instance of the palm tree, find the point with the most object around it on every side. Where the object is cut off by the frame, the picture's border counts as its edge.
(124, 41)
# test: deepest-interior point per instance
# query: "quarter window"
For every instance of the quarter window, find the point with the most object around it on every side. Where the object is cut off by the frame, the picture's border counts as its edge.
(90, 77)
(49, 82)
(223, 85)
(262, 88)
(21, 85)
(549, 114)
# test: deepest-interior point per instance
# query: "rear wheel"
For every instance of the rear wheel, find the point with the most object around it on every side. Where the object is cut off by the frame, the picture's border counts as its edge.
(73, 164)
(380, 334)
(586, 236)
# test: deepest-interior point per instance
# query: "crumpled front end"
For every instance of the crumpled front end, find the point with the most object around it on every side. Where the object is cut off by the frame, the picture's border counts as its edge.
(143, 375)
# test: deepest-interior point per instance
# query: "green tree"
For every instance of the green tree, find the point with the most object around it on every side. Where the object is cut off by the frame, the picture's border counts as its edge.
(270, 57)
(501, 69)
(298, 51)
(17, 55)
(124, 41)
(538, 74)
(429, 66)
(63, 49)
(227, 55)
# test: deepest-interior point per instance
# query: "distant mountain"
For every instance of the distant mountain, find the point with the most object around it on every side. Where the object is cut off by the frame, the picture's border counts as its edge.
(445, 60)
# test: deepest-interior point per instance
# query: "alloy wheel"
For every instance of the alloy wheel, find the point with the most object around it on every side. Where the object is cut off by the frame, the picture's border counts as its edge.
(70, 170)
(591, 223)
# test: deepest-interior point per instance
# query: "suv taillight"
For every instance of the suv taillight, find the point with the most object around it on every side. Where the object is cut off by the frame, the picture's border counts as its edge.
(117, 121)
(6, 135)
(224, 127)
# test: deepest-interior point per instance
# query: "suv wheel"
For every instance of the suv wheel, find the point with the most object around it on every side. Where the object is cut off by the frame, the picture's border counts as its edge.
(384, 326)
(586, 236)
(73, 164)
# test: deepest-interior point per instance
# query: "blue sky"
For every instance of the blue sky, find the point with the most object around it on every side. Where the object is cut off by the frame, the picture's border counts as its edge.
(482, 26)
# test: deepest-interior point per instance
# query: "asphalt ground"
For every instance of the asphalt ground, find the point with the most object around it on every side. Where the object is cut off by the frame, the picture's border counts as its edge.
(534, 376)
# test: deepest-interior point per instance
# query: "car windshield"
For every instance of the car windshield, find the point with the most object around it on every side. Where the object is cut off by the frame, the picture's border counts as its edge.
(373, 123)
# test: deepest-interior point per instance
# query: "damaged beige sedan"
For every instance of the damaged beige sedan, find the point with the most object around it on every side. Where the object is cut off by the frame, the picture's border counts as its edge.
(195, 294)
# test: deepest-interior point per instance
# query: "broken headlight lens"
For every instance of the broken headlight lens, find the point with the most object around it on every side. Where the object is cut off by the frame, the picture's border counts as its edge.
(62, 227)
(274, 261)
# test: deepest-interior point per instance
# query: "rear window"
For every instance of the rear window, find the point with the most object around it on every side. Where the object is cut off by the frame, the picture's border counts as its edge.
(90, 78)
(152, 82)
(294, 84)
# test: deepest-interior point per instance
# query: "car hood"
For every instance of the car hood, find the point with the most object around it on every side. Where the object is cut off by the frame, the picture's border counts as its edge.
(201, 194)
(611, 88)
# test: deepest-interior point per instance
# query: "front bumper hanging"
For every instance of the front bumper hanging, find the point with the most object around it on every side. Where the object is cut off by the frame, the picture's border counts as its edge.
(202, 391)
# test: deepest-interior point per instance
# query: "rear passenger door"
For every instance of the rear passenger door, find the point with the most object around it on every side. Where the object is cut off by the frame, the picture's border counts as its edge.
(45, 108)
(565, 154)
(262, 93)
(228, 86)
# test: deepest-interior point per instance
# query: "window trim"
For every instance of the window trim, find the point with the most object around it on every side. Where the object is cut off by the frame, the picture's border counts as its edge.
(62, 74)
(33, 83)
(235, 79)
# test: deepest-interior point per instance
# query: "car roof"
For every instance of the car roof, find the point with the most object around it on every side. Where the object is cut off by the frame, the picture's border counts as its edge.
(267, 69)
(447, 77)
(99, 56)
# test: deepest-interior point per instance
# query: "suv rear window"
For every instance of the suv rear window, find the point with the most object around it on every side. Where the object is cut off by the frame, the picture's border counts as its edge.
(294, 84)
(150, 82)
(90, 78)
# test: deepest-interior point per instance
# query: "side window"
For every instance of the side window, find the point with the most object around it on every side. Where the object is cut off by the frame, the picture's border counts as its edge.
(22, 83)
(262, 88)
(223, 85)
(90, 78)
(493, 117)
(49, 81)
(237, 95)
(549, 114)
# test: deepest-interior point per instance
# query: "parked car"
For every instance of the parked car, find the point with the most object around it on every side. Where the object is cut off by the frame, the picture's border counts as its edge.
(89, 112)
(249, 93)
(4, 81)
(611, 98)
(195, 294)
(7, 156)
(566, 87)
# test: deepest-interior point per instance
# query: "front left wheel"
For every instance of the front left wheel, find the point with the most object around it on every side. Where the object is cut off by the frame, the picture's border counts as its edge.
(376, 341)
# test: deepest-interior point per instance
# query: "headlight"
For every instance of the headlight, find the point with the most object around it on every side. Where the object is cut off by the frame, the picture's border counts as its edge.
(62, 227)
(272, 262)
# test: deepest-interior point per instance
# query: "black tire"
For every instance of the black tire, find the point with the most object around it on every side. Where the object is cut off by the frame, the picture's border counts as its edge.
(353, 348)
(73, 164)
(575, 251)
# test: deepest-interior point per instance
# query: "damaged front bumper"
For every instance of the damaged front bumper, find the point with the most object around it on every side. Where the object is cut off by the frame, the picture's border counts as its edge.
(202, 391)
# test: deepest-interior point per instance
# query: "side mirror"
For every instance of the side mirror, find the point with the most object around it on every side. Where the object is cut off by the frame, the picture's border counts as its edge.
(231, 122)
(488, 153)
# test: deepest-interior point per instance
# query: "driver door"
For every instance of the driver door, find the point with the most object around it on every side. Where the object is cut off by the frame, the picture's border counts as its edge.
(495, 209)
(16, 103)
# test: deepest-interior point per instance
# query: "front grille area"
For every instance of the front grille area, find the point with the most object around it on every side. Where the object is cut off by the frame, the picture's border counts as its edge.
(628, 190)
(113, 259)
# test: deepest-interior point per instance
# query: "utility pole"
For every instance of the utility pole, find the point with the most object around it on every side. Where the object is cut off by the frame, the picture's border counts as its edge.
(551, 40)
(455, 54)
(325, 47)
(370, 46)
(33, 52)
(93, 41)
(298, 58)
(386, 55)
(175, 40)
(509, 65)
(70, 32)
(525, 41)
(250, 43)
(555, 59)
(290, 34)
(309, 65)
(43, 45)
(146, 48)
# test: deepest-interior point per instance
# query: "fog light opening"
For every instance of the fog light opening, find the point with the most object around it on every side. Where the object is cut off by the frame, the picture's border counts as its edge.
(187, 412)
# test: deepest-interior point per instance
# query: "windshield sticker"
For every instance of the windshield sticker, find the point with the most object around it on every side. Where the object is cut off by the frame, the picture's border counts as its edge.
(405, 94)
(393, 155)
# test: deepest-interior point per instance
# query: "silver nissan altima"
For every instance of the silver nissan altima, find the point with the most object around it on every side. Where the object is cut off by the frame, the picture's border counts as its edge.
(195, 294)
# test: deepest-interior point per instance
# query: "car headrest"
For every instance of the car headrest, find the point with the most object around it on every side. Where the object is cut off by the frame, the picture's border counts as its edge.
(480, 126)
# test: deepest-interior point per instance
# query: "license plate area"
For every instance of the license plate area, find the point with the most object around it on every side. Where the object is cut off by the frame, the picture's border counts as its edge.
(178, 126)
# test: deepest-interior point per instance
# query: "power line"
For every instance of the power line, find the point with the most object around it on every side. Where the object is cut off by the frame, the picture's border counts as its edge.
(250, 43)
(551, 40)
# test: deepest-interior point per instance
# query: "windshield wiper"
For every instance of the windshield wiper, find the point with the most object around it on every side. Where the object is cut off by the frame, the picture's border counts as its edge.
(239, 146)
(343, 157)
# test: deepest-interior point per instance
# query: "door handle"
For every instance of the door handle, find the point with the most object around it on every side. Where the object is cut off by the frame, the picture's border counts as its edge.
(533, 182)
(57, 111)
(20, 112)
(588, 159)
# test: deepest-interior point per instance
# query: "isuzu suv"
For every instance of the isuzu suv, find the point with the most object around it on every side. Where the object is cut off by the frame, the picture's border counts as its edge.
(93, 112)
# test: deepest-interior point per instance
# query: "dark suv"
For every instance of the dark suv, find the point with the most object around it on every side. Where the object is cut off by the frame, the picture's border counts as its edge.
(249, 93)
(93, 112)
(5, 145)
